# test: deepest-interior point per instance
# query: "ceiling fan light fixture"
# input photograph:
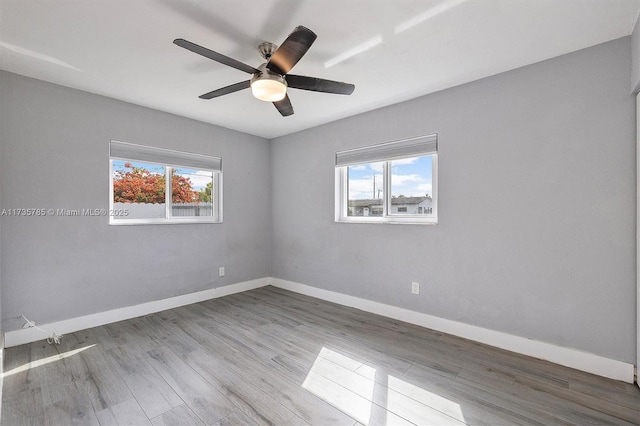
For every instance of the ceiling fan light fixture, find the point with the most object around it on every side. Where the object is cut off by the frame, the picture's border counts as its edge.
(268, 90)
(268, 86)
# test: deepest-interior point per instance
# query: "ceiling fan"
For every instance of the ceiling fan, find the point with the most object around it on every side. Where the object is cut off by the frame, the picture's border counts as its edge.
(271, 79)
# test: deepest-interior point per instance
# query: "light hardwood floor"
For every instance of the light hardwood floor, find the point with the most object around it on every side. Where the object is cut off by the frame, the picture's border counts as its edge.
(269, 356)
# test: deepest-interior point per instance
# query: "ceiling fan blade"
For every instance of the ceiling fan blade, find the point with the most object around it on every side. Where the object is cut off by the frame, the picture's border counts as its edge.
(284, 106)
(291, 50)
(319, 85)
(218, 57)
(226, 90)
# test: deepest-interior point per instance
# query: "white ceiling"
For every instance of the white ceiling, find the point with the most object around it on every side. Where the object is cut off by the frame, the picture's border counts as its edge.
(391, 50)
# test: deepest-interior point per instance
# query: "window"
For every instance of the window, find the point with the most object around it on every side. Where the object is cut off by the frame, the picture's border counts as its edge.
(153, 185)
(394, 182)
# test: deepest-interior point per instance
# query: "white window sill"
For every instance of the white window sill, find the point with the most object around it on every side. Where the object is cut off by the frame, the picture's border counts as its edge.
(389, 221)
(161, 221)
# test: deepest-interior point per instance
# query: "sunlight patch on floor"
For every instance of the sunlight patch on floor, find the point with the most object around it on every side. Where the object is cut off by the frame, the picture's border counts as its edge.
(333, 378)
(421, 406)
(45, 361)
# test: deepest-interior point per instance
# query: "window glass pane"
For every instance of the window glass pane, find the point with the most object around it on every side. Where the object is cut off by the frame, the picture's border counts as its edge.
(365, 189)
(412, 186)
(191, 192)
(139, 188)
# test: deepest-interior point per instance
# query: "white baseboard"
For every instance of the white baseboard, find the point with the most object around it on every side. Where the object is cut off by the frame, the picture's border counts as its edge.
(568, 357)
(28, 335)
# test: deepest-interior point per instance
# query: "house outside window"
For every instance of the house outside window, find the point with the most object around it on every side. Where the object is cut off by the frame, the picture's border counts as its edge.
(394, 182)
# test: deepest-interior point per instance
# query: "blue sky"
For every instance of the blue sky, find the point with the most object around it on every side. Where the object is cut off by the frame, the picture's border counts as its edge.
(199, 178)
(410, 177)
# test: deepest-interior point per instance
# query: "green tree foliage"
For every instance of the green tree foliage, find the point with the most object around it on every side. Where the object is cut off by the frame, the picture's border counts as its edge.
(205, 193)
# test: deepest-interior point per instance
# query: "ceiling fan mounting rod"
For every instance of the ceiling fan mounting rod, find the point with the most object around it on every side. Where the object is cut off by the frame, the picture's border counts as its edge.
(267, 49)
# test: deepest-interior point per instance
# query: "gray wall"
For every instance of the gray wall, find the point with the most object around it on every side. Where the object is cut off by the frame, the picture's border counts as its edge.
(55, 154)
(2, 138)
(635, 58)
(635, 86)
(536, 206)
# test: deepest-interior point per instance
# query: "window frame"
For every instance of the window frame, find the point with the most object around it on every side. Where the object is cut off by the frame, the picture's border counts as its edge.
(168, 218)
(342, 185)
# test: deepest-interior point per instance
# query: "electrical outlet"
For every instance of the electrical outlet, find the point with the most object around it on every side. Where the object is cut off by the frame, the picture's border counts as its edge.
(221, 271)
(415, 287)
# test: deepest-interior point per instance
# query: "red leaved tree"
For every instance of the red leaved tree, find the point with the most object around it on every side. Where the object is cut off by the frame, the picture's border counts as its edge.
(139, 185)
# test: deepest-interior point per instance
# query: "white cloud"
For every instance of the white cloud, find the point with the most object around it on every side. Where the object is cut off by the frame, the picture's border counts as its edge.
(425, 188)
(398, 180)
(363, 188)
(412, 185)
(418, 191)
(199, 179)
(377, 167)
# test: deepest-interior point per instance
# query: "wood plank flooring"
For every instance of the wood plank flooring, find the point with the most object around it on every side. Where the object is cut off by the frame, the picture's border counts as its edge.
(269, 356)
